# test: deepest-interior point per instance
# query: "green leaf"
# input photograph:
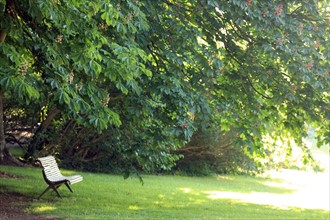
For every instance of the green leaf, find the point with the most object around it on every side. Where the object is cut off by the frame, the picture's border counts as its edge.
(96, 67)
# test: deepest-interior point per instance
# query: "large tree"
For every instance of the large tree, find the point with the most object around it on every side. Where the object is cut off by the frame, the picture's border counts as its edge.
(151, 70)
(259, 67)
(64, 55)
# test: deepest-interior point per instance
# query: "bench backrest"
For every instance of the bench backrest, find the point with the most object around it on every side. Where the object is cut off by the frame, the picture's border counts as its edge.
(50, 167)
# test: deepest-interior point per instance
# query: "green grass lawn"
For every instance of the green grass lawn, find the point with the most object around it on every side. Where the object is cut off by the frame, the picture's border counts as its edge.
(102, 196)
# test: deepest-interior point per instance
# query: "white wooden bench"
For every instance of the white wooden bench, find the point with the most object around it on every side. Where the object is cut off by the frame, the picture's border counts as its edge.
(53, 176)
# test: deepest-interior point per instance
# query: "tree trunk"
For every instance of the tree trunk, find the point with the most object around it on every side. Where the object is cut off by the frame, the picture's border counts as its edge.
(5, 156)
(2, 36)
(35, 142)
(2, 130)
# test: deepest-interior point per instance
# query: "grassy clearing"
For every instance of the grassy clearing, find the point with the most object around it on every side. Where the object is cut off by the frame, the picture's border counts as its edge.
(102, 196)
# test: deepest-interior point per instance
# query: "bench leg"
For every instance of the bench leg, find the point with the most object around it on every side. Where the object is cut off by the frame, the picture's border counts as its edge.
(55, 189)
(44, 192)
(67, 185)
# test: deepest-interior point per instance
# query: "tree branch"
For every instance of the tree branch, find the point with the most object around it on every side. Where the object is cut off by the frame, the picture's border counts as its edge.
(251, 84)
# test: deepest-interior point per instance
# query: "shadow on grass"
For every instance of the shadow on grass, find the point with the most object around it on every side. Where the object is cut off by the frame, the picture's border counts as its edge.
(200, 208)
(195, 205)
(102, 196)
(188, 203)
(26, 181)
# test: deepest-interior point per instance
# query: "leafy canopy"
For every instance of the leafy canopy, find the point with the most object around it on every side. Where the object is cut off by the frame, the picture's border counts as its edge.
(165, 68)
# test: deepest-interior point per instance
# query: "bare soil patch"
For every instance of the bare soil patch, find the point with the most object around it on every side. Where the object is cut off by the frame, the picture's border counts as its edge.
(8, 175)
(13, 206)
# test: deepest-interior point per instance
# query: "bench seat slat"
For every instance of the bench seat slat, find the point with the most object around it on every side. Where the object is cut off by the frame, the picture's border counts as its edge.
(74, 179)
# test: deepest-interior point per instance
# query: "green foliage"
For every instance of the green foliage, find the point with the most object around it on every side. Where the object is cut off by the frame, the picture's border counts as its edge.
(73, 61)
(144, 70)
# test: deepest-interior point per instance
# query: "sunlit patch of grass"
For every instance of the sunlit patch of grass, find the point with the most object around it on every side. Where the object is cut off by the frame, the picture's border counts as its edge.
(133, 207)
(43, 208)
(102, 196)
(185, 190)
